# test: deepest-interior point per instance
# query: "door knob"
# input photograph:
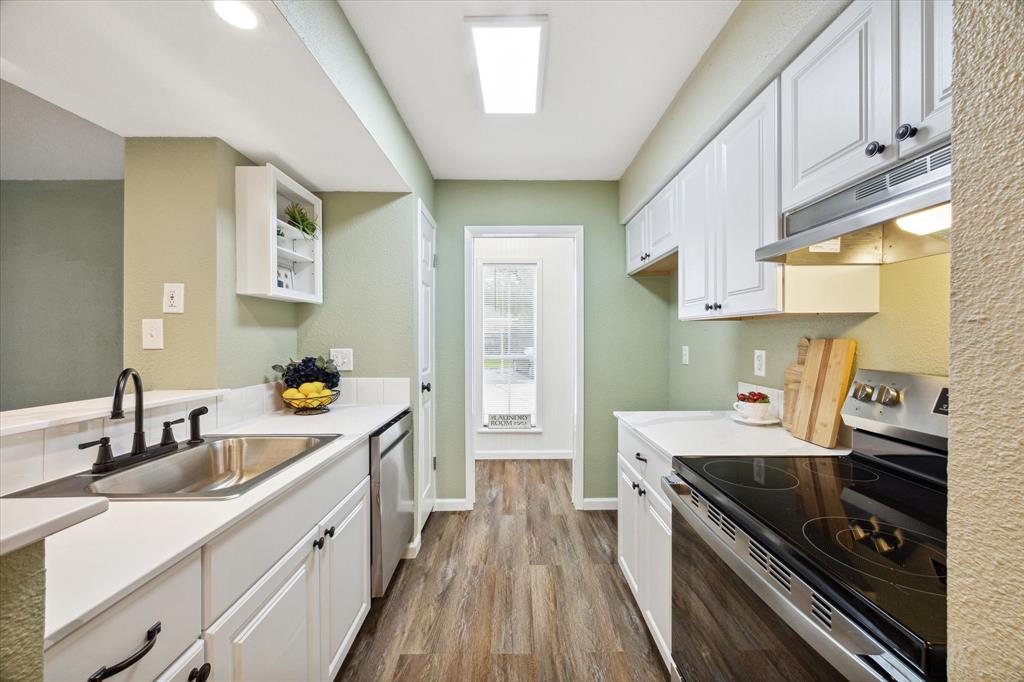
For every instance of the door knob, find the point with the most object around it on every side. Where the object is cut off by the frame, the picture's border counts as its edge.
(905, 131)
(425, 387)
(874, 147)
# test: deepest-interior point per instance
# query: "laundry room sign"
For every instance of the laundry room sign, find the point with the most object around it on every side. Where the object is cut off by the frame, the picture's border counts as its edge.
(509, 421)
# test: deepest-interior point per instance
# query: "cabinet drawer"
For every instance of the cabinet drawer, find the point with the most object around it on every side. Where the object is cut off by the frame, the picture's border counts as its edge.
(235, 561)
(632, 449)
(173, 599)
(191, 660)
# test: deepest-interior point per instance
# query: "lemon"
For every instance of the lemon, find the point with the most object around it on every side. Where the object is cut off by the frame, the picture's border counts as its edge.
(323, 393)
(292, 394)
(310, 388)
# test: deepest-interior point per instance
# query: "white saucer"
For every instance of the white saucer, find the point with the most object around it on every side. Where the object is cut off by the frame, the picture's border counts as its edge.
(740, 419)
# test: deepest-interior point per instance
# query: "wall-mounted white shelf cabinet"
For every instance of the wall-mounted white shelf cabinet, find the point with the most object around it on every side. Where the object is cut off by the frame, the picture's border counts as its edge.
(652, 236)
(275, 259)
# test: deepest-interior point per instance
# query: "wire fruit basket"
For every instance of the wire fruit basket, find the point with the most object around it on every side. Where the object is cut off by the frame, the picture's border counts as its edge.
(313, 404)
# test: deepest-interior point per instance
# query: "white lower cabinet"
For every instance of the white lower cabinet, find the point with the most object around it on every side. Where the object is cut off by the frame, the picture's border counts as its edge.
(645, 538)
(189, 666)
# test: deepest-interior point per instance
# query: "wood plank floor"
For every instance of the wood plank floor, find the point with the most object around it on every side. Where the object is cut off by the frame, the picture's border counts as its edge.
(524, 587)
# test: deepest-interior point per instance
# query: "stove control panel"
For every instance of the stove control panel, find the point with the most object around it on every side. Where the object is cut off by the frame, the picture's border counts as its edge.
(913, 407)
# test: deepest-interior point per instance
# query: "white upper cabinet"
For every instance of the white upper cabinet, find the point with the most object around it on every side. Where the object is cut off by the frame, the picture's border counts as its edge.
(636, 241)
(926, 74)
(747, 199)
(697, 236)
(662, 223)
(838, 105)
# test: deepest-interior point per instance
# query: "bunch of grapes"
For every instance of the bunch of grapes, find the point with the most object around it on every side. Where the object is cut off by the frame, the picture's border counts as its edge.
(308, 369)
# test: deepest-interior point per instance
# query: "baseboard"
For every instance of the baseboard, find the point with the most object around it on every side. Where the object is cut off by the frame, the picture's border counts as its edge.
(600, 503)
(413, 548)
(451, 504)
(516, 454)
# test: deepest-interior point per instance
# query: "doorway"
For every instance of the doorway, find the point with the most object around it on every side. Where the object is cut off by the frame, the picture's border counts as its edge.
(524, 347)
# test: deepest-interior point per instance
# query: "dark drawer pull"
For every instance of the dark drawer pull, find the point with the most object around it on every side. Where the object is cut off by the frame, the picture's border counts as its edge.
(641, 458)
(105, 672)
(200, 674)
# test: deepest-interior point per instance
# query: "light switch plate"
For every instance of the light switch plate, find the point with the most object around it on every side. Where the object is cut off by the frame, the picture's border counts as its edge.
(760, 359)
(686, 355)
(174, 297)
(343, 359)
(152, 334)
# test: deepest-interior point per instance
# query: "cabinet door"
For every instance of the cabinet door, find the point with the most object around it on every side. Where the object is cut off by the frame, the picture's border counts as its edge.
(926, 72)
(628, 526)
(837, 97)
(636, 241)
(272, 632)
(697, 237)
(657, 569)
(746, 197)
(344, 577)
(662, 221)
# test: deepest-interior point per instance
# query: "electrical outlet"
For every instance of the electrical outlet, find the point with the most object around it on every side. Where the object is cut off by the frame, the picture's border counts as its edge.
(343, 359)
(686, 355)
(174, 298)
(152, 334)
(759, 362)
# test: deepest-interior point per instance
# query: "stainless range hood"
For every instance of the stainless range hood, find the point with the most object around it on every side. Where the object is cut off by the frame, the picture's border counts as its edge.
(861, 225)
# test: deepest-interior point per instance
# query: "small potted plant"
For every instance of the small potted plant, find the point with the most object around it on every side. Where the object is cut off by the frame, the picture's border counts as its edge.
(300, 219)
(753, 405)
(310, 384)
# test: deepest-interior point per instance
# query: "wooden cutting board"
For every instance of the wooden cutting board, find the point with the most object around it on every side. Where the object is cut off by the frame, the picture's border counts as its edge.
(791, 378)
(826, 376)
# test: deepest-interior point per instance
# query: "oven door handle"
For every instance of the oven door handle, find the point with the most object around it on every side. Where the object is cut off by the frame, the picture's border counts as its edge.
(675, 488)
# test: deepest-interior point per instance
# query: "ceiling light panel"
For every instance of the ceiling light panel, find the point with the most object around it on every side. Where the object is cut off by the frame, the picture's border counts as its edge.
(236, 13)
(509, 54)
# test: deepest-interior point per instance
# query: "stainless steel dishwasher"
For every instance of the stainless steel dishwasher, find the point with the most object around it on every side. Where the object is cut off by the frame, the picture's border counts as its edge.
(391, 484)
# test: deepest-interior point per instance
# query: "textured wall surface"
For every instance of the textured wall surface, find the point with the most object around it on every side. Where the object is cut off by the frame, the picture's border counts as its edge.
(60, 288)
(914, 305)
(624, 319)
(330, 38)
(759, 39)
(22, 589)
(179, 227)
(986, 458)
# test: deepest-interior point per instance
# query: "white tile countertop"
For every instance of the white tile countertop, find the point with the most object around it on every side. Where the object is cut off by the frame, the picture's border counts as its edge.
(92, 565)
(25, 520)
(715, 433)
(45, 416)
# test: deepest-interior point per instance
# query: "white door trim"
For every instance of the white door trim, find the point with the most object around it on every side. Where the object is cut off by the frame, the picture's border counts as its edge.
(472, 232)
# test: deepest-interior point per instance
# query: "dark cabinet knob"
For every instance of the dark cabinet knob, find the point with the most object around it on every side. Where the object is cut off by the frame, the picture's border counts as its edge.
(874, 147)
(200, 674)
(425, 387)
(905, 132)
(641, 491)
(707, 306)
(634, 484)
(717, 306)
(329, 532)
(319, 542)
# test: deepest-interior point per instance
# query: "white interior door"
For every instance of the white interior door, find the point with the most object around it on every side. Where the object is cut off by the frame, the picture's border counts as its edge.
(425, 458)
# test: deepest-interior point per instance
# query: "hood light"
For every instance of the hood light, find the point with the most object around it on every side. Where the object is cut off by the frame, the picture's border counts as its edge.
(236, 13)
(927, 221)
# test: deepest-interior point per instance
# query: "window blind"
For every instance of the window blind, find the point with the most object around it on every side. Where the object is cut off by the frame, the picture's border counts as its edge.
(509, 343)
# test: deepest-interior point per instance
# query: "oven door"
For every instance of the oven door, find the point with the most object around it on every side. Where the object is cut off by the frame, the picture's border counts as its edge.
(729, 622)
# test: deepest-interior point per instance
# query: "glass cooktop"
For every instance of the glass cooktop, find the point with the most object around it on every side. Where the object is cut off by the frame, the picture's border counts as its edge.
(871, 531)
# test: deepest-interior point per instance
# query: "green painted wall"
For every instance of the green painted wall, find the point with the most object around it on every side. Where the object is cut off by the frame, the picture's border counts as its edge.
(179, 227)
(60, 288)
(330, 38)
(22, 603)
(909, 334)
(625, 323)
(369, 284)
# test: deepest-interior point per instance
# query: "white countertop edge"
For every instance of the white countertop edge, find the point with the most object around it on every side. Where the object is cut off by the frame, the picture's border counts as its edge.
(26, 520)
(14, 422)
(260, 496)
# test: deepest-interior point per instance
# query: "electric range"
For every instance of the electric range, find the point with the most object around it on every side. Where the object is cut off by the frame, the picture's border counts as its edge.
(821, 567)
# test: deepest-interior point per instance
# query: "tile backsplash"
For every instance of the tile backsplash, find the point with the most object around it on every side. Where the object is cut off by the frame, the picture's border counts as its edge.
(33, 457)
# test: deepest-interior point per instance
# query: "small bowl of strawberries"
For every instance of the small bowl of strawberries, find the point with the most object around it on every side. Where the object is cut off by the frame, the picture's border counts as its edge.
(753, 405)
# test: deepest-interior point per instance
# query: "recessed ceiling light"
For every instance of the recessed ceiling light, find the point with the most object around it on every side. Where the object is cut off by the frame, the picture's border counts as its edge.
(236, 13)
(509, 60)
(927, 221)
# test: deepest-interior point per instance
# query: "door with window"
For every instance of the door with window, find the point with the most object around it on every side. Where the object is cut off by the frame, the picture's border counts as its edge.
(523, 363)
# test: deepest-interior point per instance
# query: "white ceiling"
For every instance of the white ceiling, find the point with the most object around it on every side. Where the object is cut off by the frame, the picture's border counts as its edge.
(172, 68)
(612, 68)
(40, 141)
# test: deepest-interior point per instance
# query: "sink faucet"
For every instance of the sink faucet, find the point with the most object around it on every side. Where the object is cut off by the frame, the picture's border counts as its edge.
(117, 412)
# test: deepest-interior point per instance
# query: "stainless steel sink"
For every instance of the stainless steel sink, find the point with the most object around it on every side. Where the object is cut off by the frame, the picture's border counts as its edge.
(222, 467)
